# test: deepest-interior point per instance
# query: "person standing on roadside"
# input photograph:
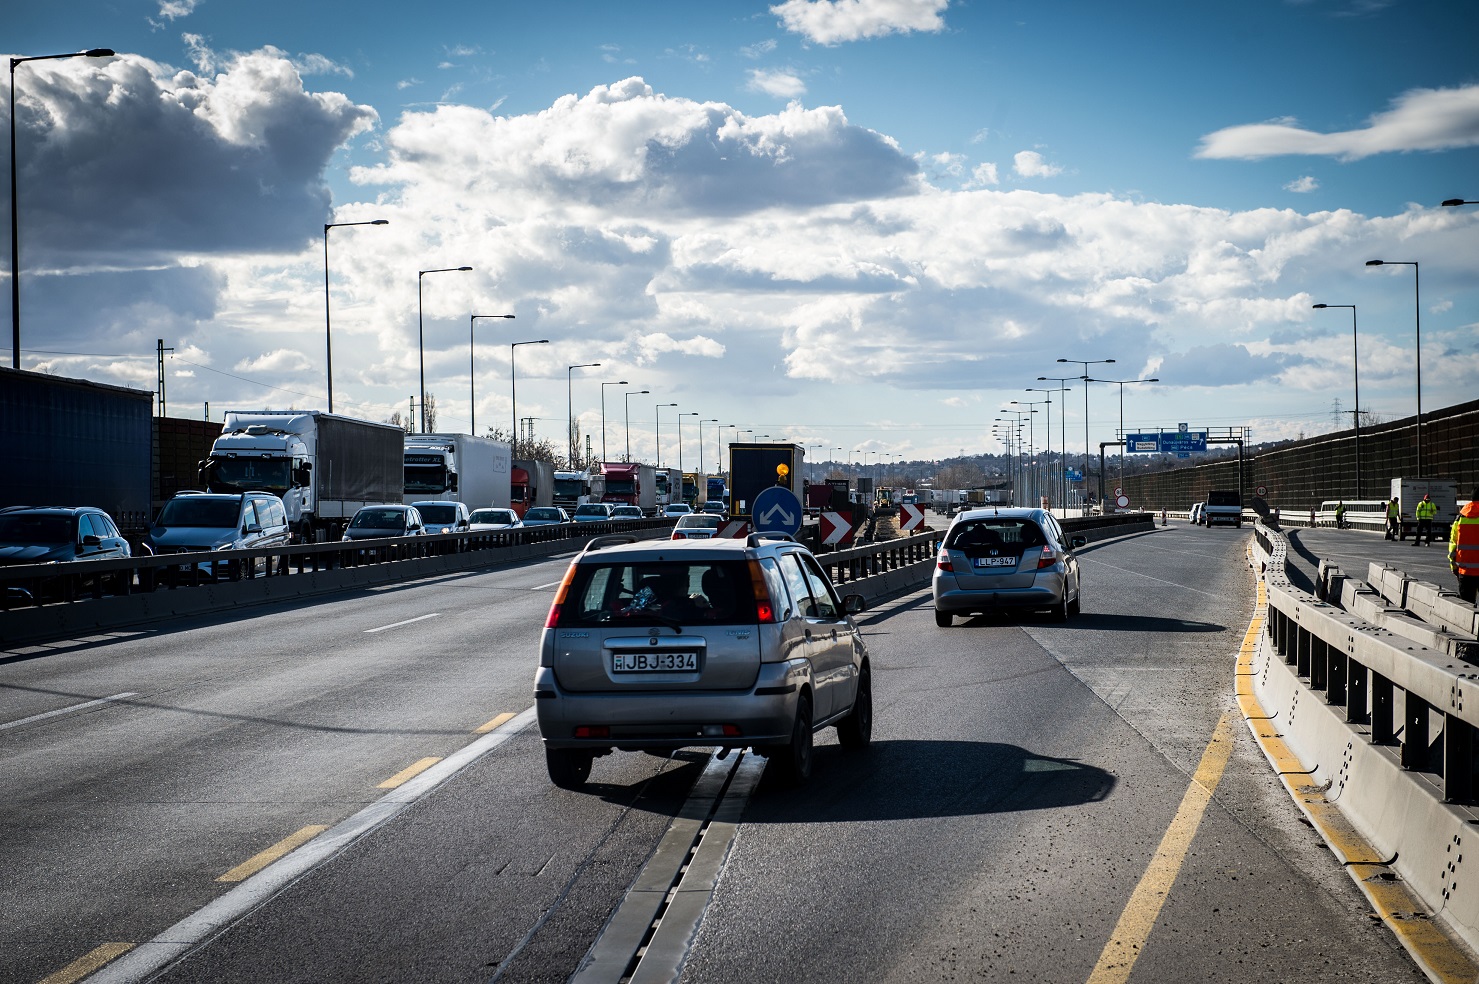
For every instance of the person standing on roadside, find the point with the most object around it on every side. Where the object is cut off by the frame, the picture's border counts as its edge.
(1425, 511)
(1340, 515)
(1394, 520)
(1463, 549)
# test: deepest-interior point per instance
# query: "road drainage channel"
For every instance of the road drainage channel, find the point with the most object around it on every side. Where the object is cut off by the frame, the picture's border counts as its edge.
(648, 936)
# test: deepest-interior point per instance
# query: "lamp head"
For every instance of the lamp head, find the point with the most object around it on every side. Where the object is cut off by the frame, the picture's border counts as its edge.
(1319, 306)
(1375, 262)
(1449, 203)
(99, 53)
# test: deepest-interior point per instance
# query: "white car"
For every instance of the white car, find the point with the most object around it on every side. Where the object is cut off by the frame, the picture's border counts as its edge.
(1196, 513)
(675, 509)
(628, 512)
(494, 519)
(697, 526)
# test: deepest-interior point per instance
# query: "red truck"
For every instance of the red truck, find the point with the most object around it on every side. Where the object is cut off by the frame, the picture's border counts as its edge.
(630, 483)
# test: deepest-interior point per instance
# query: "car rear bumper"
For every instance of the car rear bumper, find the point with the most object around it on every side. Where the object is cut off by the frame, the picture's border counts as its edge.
(675, 719)
(1043, 594)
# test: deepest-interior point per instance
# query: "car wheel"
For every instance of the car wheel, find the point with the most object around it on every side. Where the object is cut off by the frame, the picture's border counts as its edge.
(569, 768)
(794, 757)
(1060, 610)
(856, 730)
(1076, 605)
(944, 619)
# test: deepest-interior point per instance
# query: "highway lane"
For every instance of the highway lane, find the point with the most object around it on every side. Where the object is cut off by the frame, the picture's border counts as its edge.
(1022, 776)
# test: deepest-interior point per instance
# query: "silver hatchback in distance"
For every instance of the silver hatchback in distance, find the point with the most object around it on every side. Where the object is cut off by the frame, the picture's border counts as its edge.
(661, 644)
(1006, 558)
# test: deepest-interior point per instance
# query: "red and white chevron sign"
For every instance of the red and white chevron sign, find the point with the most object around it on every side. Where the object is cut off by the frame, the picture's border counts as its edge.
(734, 529)
(836, 528)
(911, 517)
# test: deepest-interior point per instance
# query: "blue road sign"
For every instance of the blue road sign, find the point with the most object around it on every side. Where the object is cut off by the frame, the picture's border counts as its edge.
(1143, 443)
(1183, 443)
(776, 510)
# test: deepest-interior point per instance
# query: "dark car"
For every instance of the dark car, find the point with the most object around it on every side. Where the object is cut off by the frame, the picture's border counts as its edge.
(49, 534)
(373, 522)
(546, 516)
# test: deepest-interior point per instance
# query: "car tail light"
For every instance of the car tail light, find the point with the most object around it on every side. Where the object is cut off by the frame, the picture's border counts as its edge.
(593, 731)
(764, 608)
(1048, 559)
(942, 562)
(553, 618)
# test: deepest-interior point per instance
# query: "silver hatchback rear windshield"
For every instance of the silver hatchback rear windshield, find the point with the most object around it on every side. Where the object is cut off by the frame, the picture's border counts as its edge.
(697, 592)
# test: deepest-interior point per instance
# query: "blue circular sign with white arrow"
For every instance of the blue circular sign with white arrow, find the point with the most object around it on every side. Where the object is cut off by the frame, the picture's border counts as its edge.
(776, 510)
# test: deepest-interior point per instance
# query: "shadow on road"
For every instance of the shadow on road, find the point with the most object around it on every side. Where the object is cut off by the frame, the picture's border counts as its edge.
(1102, 622)
(1296, 574)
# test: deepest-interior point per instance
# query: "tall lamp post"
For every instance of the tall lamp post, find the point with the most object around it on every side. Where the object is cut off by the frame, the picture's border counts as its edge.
(472, 371)
(513, 390)
(1418, 364)
(1356, 369)
(1032, 482)
(570, 400)
(627, 419)
(1122, 383)
(421, 331)
(619, 382)
(1085, 378)
(1048, 438)
(15, 235)
(657, 416)
(328, 336)
(1062, 432)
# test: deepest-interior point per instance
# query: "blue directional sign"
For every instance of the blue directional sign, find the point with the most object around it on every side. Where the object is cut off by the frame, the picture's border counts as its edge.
(1183, 443)
(1143, 443)
(776, 510)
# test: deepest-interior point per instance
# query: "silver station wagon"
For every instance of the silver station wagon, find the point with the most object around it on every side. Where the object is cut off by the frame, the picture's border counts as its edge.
(665, 644)
(1006, 558)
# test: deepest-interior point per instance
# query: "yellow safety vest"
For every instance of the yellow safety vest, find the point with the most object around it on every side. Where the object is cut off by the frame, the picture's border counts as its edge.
(1463, 542)
(1426, 509)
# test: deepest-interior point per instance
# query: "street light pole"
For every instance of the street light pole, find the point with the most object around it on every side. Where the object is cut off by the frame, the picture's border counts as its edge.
(1085, 378)
(1356, 370)
(1048, 432)
(15, 235)
(619, 382)
(1032, 447)
(1122, 383)
(421, 331)
(328, 335)
(570, 400)
(1417, 322)
(513, 390)
(1062, 433)
(627, 420)
(694, 413)
(472, 370)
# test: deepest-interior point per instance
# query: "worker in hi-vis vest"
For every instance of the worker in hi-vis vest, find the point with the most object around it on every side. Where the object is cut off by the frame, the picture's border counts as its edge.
(1463, 549)
(1425, 511)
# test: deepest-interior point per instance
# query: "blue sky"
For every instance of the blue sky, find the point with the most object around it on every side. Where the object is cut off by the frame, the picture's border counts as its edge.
(867, 224)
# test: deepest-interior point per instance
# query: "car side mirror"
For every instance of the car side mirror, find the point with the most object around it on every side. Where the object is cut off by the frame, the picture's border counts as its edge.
(1078, 541)
(92, 540)
(247, 528)
(854, 603)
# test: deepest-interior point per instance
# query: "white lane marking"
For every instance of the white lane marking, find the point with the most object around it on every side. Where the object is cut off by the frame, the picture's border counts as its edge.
(541, 587)
(396, 625)
(1173, 584)
(66, 710)
(147, 959)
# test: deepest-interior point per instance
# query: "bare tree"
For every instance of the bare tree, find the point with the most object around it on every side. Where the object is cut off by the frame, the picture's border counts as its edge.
(399, 421)
(430, 410)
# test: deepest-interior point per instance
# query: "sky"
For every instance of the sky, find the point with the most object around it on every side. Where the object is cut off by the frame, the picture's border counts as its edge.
(865, 226)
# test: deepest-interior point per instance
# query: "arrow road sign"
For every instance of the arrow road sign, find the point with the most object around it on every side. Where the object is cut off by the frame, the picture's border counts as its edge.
(911, 517)
(836, 528)
(776, 510)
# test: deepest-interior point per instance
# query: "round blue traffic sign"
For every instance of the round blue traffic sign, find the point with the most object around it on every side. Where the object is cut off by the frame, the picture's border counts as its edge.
(776, 510)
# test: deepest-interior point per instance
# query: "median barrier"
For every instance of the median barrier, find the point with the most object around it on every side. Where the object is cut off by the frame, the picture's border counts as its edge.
(1387, 729)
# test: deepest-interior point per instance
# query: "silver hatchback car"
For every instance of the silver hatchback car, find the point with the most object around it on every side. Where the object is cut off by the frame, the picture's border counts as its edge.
(665, 644)
(1006, 558)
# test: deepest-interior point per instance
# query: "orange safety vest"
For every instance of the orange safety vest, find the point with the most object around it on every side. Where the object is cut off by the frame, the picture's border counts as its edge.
(1463, 542)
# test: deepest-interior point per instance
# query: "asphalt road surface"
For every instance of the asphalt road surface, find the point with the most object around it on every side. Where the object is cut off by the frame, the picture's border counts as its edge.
(1023, 776)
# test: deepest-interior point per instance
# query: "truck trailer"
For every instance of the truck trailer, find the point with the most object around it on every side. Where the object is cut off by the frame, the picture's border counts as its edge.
(630, 483)
(576, 488)
(77, 443)
(457, 468)
(753, 468)
(1442, 492)
(323, 466)
(669, 485)
(531, 483)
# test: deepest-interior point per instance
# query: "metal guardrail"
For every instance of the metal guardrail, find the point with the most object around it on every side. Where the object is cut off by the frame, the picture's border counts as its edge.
(34, 585)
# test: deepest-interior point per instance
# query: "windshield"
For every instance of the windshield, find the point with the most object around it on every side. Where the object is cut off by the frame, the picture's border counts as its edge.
(35, 528)
(591, 509)
(250, 475)
(543, 512)
(661, 593)
(619, 486)
(437, 514)
(426, 478)
(200, 511)
(379, 519)
(489, 516)
(569, 488)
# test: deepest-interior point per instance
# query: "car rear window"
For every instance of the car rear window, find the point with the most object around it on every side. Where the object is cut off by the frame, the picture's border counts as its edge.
(997, 532)
(660, 593)
(694, 521)
(438, 514)
(1223, 499)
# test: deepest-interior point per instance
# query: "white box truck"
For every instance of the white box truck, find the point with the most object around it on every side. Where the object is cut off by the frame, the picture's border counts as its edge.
(457, 468)
(323, 466)
(1410, 491)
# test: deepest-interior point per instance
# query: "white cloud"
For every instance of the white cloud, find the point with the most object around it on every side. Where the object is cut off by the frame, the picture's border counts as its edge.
(984, 174)
(835, 21)
(1420, 119)
(314, 64)
(276, 361)
(175, 9)
(1303, 185)
(1030, 164)
(760, 49)
(776, 82)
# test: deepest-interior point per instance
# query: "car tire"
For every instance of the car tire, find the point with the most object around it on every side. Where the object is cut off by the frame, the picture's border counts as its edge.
(856, 730)
(1060, 610)
(793, 759)
(944, 619)
(569, 768)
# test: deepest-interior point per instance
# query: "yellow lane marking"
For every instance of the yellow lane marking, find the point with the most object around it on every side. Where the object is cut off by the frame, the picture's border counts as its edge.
(1128, 939)
(409, 772)
(1441, 958)
(497, 722)
(257, 862)
(84, 965)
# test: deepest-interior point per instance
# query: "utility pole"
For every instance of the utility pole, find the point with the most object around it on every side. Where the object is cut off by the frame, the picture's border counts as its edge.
(163, 406)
